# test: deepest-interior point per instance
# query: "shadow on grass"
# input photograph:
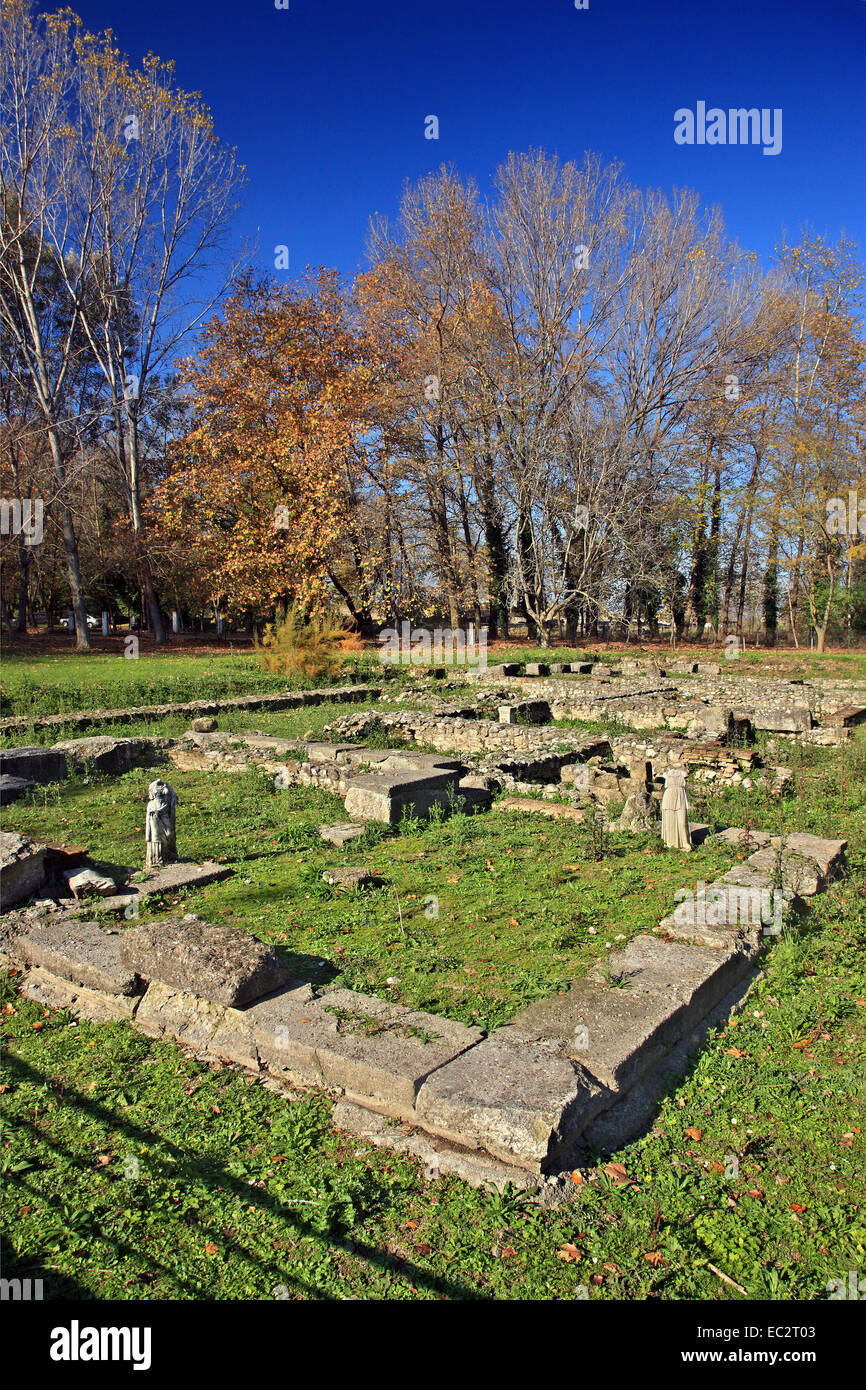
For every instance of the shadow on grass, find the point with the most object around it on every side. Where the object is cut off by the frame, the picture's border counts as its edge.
(211, 1173)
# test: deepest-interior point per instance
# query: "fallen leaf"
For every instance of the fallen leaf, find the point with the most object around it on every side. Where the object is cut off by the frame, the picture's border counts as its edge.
(735, 1052)
(796, 1208)
(655, 1258)
(569, 1252)
(694, 1133)
(617, 1172)
(577, 1178)
(211, 1249)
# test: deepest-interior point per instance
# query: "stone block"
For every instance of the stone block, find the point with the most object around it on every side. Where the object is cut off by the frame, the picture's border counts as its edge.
(78, 951)
(348, 879)
(222, 964)
(22, 867)
(846, 717)
(522, 1102)
(380, 1052)
(829, 855)
(11, 788)
(385, 796)
(616, 1034)
(341, 833)
(506, 668)
(173, 877)
(286, 1028)
(233, 1040)
(34, 764)
(87, 883)
(474, 1167)
(537, 668)
(54, 992)
(179, 1014)
(792, 719)
(102, 753)
(525, 712)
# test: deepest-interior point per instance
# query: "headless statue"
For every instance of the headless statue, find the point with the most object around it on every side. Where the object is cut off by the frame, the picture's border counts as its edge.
(161, 841)
(675, 811)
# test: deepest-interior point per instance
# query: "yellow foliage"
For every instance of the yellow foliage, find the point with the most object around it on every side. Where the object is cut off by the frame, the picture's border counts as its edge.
(302, 645)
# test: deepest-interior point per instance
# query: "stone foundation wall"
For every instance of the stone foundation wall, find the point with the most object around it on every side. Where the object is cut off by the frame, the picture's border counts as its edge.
(523, 1095)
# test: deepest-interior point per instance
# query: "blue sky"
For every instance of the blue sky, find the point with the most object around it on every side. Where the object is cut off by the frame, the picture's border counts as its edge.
(326, 101)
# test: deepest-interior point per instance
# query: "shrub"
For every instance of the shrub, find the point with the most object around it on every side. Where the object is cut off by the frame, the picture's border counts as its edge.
(305, 645)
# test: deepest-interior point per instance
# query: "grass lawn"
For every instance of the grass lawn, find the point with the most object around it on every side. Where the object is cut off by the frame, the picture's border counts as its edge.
(55, 683)
(133, 1171)
(300, 723)
(476, 915)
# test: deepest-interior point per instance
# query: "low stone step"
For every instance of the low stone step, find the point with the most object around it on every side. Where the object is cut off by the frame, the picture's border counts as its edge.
(78, 951)
(376, 1052)
(616, 1034)
(522, 1102)
(440, 1158)
(554, 810)
(173, 877)
(54, 992)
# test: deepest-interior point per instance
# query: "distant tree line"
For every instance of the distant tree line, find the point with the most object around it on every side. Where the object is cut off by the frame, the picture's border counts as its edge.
(570, 407)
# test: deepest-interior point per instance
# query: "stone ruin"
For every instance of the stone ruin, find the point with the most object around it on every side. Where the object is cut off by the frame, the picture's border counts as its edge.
(569, 1074)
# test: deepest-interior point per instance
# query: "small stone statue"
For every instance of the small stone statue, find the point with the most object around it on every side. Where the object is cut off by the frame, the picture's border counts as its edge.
(161, 841)
(675, 810)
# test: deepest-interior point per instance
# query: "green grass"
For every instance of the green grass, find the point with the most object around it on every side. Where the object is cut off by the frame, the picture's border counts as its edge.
(309, 720)
(476, 915)
(133, 1171)
(39, 685)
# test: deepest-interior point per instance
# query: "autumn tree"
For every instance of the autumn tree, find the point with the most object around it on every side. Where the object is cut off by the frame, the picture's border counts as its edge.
(259, 487)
